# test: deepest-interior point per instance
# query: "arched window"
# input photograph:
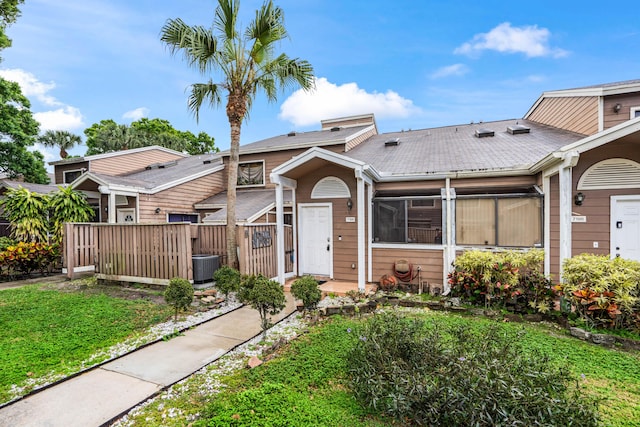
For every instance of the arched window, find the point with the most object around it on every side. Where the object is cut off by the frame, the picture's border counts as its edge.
(610, 174)
(330, 187)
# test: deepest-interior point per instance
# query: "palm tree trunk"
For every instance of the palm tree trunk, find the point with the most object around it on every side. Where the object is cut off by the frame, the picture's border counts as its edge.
(232, 181)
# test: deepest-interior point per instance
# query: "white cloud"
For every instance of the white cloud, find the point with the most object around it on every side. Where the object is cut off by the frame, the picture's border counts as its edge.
(136, 114)
(329, 100)
(530, 40)
(31, 86)
(65, 118)
(450, 70)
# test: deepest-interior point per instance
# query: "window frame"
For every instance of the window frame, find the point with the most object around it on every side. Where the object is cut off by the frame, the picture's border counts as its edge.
(633, 111)
(496, 218)
(439, 231)
(193, 215)
(64, 175)
(240, 164)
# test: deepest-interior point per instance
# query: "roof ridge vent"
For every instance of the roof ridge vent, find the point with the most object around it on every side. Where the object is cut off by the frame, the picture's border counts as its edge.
(393, 142)
(484, 133)
(518, 129)
(335, 129)
(292, 133)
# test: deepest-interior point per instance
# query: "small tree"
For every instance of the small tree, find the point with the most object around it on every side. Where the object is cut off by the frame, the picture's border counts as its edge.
(179, 295)
(67, 205)
(227, 280)
(27, 213)
(306, 289)
(264, 295)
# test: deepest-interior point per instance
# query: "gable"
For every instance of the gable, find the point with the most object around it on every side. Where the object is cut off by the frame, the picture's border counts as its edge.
(573, 113)
(127, 163)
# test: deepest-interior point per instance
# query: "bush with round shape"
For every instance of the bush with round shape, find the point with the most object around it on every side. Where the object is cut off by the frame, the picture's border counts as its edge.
(306, 289)
(227, 280)
(264, 295)
(179, 295)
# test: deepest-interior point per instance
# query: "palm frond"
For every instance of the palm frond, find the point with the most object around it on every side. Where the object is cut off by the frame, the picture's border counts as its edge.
(226, 17)
(197, 43)
(200, 93)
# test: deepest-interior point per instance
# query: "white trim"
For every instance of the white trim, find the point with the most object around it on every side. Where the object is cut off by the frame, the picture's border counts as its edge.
(600, 113)
(546, 189)
(632, 112)
(264, 174)
(64, 174)
(407, 246)
(321, 191)
(116, 154)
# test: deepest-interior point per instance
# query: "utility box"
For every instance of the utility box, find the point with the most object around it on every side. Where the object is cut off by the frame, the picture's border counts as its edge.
(203, 268)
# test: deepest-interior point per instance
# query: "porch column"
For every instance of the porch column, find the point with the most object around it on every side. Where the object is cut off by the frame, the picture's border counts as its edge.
(112, 207)
(280, 231)
(546, 189)
(566, 186)
(361, 234)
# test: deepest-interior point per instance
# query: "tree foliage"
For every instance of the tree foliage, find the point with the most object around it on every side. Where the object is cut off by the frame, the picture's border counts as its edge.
(306, 289)
(62, 139)
(227, 280)
(40, 217)
(179, 295)
(264, 295)
(246, 63)
(9, 12)
(18, 130)
(107, 136)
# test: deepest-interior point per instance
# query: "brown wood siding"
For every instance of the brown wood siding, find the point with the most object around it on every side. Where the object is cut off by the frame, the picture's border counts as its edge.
(345, 250)
(179, 199)
(355, 141)
(576, 113)
(430, 261)
(347, 122)
(597, 203)
(59, 170)
(628, 100)
(127, 163)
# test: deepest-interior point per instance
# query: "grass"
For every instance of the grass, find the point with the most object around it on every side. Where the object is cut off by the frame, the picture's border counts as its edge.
(46, 332)
(306, 384)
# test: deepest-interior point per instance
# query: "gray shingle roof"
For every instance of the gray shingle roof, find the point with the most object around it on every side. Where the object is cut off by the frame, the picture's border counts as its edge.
(35, 188)
(456, 148)
(248, 203)
(174, 171)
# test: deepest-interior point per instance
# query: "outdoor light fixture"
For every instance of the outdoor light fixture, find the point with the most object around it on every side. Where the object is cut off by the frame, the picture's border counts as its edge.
(617, 107)
(349, 204)
(158, 210)
(578, 199)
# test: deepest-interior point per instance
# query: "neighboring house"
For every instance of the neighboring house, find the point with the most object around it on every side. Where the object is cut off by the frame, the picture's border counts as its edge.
(565, 177)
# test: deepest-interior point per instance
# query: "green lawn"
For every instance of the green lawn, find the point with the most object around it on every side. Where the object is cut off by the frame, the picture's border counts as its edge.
(47, 331)
(306, 384)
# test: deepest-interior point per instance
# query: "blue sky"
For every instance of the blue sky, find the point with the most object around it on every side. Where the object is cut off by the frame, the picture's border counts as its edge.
(415, 64)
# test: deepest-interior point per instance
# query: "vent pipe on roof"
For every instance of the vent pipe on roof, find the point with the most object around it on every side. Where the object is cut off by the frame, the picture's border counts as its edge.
(292, 133)
(335, 129)
(484, 133)
(392, 142)
(518, 129)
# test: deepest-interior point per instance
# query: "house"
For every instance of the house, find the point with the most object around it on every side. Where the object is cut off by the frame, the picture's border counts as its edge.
(565, 177)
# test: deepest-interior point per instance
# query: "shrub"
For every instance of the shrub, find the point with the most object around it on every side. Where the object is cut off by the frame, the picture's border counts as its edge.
(421, 374)
(306, 289)
(27, 257)
(5, 242)
(264, 295)
(179, 295)
(605, 292)
(510, 279)
(227, 280)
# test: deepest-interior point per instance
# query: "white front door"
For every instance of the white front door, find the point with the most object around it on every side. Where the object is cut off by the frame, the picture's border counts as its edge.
(315, 244)
(126, 215)
(625, 227)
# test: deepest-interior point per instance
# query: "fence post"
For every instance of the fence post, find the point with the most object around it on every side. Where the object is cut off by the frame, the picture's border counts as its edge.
(68, 249)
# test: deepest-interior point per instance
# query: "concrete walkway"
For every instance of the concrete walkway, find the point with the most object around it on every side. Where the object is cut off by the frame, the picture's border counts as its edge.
(103, 394)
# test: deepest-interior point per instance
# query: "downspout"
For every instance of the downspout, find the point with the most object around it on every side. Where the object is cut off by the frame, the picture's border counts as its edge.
(280, 232)
(449, 254)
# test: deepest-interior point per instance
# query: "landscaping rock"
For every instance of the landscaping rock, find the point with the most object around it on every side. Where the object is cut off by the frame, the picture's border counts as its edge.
(330, 311)
(254, 362)
(510, 317)
(603, 339)
(477, 311)
(533, 317)
(349, 310)
(455, 302)
(435, 305)
(579, 333)
(458, 309)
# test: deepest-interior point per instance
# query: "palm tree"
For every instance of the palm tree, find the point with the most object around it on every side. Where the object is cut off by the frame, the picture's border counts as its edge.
(60, 138)
(246, 63)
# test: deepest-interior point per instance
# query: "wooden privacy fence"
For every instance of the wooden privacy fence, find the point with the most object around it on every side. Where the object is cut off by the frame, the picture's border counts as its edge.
(155, 253)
